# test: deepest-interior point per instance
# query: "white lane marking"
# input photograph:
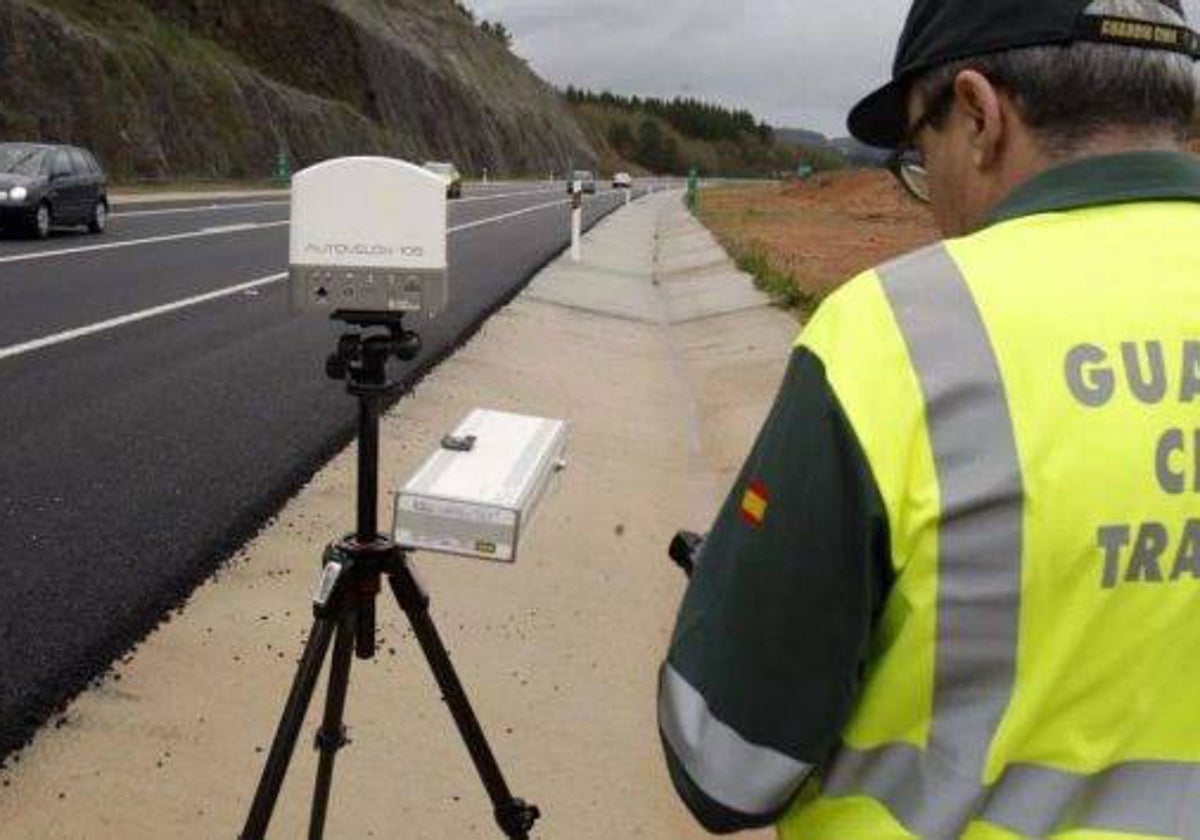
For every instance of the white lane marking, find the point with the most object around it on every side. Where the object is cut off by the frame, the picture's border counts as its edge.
(210, 208)
(229, 228)
(130, 243)
(516, 213)
(197, 208)
(113, 323)
(242, 288)
(473, 198)
(505, 216)
(217, 231)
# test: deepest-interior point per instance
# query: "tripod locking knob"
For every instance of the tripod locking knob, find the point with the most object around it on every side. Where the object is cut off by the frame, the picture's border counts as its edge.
(408, 346)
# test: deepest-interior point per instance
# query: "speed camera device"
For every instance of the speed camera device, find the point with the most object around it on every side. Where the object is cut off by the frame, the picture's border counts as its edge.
(368, 235)
(477, 495)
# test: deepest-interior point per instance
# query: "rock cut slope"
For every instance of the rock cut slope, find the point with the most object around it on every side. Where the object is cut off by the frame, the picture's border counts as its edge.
(215, 88)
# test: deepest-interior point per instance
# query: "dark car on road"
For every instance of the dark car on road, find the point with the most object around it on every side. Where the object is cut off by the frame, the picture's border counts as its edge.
(586, 179)
(45, 186)
(449, 173)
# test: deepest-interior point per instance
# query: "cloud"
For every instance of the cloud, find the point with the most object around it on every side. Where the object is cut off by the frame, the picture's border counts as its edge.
(791, 62)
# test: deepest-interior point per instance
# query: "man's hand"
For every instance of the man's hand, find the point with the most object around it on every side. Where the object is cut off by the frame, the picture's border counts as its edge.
(684, 550)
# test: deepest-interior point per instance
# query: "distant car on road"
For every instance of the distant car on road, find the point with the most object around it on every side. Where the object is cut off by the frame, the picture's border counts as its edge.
(44, 186)
(622, 181)
(588, 179)
(450, 174)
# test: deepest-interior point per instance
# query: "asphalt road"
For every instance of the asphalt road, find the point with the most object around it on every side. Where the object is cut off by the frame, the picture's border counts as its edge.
(158, 402)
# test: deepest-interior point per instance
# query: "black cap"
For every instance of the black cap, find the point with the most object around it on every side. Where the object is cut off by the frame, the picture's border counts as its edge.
(941, 31)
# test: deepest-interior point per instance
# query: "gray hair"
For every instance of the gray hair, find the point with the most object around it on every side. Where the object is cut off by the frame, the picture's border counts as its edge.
(1069, 94)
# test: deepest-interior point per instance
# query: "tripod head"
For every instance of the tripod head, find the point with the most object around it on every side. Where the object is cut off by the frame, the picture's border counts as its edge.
(361, 361)
(361, 357)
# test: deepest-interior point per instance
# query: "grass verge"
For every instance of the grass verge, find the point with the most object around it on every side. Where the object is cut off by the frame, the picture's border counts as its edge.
(731, 214)
(801, 240)
(756, 260)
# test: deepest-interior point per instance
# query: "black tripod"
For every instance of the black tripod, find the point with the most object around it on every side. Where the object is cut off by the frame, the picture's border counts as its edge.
(344, 607)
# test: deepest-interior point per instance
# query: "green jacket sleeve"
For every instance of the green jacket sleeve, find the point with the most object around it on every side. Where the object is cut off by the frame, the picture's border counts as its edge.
(772, 637)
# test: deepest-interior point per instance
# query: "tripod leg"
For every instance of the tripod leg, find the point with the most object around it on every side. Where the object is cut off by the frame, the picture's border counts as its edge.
(332, 735)
(514, 817)
(289, 730)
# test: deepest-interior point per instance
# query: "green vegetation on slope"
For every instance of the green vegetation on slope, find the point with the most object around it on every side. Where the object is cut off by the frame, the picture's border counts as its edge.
(215, 89)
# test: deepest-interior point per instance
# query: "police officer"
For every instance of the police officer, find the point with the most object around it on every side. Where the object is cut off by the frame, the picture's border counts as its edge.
(955, 592)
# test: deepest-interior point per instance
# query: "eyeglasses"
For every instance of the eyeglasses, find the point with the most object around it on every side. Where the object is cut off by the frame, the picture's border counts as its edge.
(908, 167)
(907, 163)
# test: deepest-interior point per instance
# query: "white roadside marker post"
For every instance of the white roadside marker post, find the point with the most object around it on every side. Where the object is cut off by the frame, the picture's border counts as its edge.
(576, 221)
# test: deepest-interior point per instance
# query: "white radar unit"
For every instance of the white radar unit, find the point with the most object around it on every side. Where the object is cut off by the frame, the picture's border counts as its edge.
(368, 235)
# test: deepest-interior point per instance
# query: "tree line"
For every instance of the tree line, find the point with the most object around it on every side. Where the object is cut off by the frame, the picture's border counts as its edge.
(673, 136)
(649, 146)
(690, 117)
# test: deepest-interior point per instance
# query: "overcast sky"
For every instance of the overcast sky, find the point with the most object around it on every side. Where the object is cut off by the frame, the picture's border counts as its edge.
(795, 63)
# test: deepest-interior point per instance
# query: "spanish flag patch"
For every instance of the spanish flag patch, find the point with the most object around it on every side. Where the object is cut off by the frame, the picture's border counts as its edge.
(754, 504)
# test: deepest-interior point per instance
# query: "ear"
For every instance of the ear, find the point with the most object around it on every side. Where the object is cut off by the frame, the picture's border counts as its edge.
(979, 103)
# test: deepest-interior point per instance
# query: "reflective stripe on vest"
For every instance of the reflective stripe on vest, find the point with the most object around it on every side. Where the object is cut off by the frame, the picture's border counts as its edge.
(938, 791)
(742, 776)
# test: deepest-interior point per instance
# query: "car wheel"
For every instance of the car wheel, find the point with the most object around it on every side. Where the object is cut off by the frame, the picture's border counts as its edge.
(40, 221)
(98, 223)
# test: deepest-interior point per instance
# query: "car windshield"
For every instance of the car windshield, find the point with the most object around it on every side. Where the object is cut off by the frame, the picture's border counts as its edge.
(443, 169)
(581, 175)
(22, 160)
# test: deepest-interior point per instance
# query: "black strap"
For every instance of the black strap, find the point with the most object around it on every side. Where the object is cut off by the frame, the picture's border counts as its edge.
(1106, 29)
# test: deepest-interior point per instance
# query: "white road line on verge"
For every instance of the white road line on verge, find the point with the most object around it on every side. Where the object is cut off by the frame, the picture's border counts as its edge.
(133, 317)
(130, 243)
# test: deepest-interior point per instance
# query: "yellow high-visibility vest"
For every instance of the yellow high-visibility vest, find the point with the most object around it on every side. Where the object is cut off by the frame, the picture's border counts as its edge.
(1028, 399)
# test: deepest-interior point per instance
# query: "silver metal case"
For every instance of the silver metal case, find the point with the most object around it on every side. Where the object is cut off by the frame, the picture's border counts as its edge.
(479, 503)
(368, 234)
